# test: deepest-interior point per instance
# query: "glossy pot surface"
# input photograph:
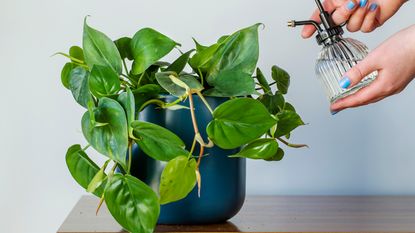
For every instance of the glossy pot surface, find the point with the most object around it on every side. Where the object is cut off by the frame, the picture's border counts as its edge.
(223, 178)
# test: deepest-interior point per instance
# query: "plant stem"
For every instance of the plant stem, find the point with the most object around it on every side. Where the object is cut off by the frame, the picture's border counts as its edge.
(139, 80)
(195, 127)
(201, 76)
(193, 146)
(205, 102)
(86, 147)
(292, 145)
(125, 66)
(152, 101)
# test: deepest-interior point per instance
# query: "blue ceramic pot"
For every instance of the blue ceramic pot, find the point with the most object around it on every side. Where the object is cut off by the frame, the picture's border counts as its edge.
(223, 178)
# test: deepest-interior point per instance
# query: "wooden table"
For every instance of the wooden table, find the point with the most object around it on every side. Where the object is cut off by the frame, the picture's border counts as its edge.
(277, 214)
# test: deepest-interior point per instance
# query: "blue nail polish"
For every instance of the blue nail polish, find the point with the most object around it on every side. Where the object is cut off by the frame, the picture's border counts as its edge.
(363, 3)
(345, 82)
(334, 113)
(373, 7)
(350, 5)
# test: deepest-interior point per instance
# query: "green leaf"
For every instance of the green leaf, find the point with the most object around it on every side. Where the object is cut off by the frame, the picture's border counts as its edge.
(100, 50)
(239, 121)
(78, 84)
(264, 148)
(177, 180)
(132, 203)
(149, 46)
(82, 168)
(177, 85)
(181, 62)
(287, 122)
(202, 60)
(127, 101)
(289, 107)
(76, 52)
(158, 142)
(278, 156)
(103, 81)
(65, 74)
(275, 103)
(282, 78)
(110, 138)
(230, 83)
(262, 81)
(239, 51)
(124, 48)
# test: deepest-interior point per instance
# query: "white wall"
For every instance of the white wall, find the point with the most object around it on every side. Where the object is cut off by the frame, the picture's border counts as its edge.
(362, 151)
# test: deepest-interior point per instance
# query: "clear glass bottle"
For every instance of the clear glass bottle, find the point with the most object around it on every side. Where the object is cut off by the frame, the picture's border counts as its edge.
(334, 60)
(337, 56)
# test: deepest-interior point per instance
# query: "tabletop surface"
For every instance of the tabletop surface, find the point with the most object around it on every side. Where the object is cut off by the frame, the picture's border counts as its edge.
(277, 214)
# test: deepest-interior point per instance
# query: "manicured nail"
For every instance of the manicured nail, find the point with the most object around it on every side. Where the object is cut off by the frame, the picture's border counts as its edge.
(350, 5)
(345, 82)
(363, 3)
(334, 113)
(373, 7)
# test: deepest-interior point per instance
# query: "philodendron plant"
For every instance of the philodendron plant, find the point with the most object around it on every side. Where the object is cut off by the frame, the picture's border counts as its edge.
(115, 80)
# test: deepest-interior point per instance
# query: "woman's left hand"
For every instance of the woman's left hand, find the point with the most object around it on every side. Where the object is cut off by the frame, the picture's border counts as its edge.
(394, 60)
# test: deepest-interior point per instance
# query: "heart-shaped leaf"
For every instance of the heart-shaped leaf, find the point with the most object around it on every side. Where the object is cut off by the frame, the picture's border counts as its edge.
(239, 121)
(82, 168)
(177, 180)
(181, 62)
(228, 83)
(282, 78)
(124, 47)
(178, 86)
(287, 122)
(132, 203)
(76, 52)
(275, 103)
(149, 46)
(65, 74)
(110, 138)
(262, 81)
(103, 81)
(98, 179)
(158, 142)
(100, 50)
(264, 148)
(78, 84)
(239, 51)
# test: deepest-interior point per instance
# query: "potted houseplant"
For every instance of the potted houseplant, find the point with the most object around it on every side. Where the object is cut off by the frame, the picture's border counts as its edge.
(173, 132)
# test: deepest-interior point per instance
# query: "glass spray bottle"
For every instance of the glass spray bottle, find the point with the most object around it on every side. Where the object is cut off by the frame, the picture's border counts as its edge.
(337, 56)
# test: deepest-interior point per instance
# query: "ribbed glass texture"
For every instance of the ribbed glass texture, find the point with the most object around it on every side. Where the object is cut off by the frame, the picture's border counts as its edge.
(335, 60)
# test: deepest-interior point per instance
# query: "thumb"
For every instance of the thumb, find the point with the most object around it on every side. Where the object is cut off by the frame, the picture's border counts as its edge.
(358, 72)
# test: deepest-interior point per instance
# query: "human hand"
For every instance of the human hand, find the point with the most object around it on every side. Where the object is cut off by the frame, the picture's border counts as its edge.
(363, 15)
(395, 62)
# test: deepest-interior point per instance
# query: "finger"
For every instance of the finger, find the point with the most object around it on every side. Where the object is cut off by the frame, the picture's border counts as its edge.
(329, 6)
(370, 22)
(359, 71)
(357, 18)
(367, 95)
(343, 13)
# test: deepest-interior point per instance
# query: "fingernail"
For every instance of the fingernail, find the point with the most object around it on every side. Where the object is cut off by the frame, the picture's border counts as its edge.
(350, 5)
(363, 3)
(334, 113)
(345, 82)
(373, 7)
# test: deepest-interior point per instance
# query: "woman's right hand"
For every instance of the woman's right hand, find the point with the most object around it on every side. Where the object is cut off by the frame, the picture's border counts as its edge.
(363, 15)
